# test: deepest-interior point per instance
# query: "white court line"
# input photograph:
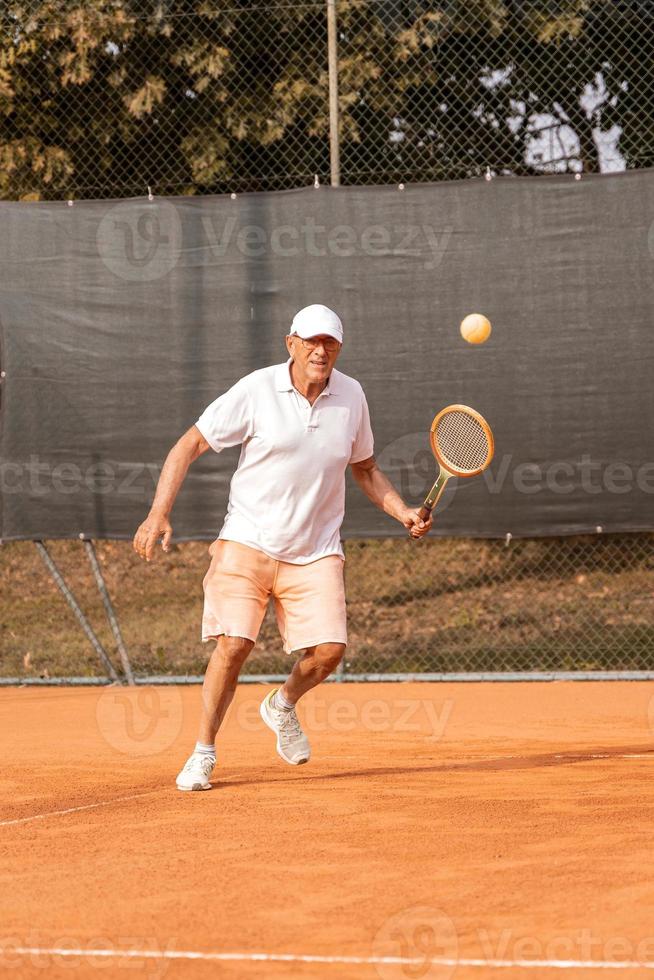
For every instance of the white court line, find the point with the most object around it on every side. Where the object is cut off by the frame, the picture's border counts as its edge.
(138, 796)
(181, 954)
(625, 755)
(76, 809)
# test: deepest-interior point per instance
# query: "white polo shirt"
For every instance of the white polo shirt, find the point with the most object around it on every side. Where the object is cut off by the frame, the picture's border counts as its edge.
(287, 496)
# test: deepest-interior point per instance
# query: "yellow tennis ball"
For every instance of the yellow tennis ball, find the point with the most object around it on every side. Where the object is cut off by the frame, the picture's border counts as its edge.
(475, 328)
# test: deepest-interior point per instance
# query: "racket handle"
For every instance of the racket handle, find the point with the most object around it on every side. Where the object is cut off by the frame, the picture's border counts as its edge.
(424, 513)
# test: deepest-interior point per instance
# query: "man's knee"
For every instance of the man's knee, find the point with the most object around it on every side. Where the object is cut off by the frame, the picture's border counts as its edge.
(328, 656)
(233, 650)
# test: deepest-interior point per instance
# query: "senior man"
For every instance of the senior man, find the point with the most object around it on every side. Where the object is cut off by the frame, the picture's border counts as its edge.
(300, 424)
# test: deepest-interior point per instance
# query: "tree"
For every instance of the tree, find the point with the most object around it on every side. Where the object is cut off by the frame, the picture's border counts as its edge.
(103, 97)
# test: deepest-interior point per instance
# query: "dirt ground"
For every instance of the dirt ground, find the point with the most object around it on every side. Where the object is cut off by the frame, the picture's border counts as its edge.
(440, 831)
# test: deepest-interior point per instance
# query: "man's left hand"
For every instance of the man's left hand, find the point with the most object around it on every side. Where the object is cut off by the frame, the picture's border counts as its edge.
(414, 523)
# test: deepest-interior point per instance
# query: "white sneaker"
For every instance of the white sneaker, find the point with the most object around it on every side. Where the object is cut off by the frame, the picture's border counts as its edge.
(292, 743)
(196, 772)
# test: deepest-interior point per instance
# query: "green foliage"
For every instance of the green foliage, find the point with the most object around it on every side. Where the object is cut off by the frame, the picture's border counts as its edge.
(102, 97)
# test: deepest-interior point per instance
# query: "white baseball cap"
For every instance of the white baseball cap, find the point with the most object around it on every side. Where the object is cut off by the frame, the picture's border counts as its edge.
(317, 319)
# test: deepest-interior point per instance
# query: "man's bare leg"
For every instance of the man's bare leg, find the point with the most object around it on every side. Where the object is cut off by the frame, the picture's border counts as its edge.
(313, 667)
(220, 681)
(217, 692)
(278, 707)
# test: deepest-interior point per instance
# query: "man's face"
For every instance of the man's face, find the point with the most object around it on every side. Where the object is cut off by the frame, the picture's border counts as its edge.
(312, 357)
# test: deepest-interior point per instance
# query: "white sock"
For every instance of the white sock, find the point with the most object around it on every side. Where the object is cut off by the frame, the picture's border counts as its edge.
(279, 701)
(202, 749)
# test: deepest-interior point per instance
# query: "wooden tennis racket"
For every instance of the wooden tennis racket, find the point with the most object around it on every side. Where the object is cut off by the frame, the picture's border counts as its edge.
(462, 442)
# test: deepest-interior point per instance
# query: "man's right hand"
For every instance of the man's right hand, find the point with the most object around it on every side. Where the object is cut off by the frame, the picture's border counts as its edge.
(152, 528)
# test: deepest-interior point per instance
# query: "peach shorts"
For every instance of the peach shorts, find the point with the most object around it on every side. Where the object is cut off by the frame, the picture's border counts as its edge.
(309, 599)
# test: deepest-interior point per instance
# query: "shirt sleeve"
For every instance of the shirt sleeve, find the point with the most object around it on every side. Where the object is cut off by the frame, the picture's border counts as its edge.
(364, 443)
(228, 421)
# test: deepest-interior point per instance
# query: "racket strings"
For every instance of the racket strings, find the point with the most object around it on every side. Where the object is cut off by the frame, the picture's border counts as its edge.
(462, 441)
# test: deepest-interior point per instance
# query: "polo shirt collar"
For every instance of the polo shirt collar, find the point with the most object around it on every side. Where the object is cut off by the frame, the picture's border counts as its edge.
(284, 381)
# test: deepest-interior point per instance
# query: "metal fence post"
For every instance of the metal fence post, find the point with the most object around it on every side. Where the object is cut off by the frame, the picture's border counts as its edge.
(332, 58)
(79, 615)
(109, 609)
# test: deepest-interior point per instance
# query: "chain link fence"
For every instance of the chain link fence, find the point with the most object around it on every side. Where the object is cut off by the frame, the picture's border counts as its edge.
(103, 98)
(441, 606)
(551, 604)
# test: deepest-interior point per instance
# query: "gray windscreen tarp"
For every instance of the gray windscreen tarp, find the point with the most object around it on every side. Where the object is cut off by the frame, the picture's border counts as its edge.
(122, 320)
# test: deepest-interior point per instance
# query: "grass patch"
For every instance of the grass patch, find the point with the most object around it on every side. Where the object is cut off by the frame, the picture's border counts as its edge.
(583, 603)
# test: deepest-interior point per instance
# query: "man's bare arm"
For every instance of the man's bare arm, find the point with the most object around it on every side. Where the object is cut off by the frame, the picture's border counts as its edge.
(379, 489)
(157, 524)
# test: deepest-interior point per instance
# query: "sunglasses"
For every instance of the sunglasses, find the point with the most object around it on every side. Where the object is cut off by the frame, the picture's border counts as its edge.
(329, 344)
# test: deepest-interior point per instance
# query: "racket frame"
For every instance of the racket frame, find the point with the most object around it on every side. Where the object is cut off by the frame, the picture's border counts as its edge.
(487, 432)
(446, 470)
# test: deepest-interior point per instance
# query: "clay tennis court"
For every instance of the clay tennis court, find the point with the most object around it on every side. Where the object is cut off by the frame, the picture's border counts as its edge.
(440, 830)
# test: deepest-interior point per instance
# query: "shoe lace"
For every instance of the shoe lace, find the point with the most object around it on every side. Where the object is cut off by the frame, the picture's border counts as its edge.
(206, 763)
(289, 729)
